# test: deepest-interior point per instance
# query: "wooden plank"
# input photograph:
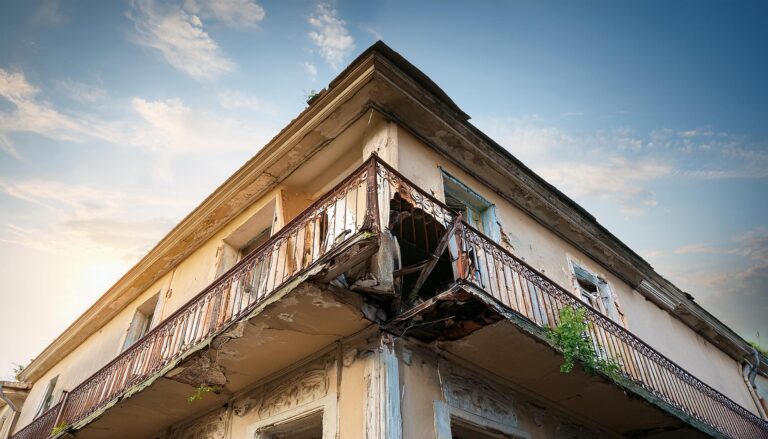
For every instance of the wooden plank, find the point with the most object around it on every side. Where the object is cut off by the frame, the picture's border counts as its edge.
(432, 262)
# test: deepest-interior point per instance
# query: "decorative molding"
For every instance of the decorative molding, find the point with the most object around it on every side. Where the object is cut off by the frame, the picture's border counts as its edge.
(298, 389)
(211, 426)
(476, 395)
(445, 415)
(660, 297)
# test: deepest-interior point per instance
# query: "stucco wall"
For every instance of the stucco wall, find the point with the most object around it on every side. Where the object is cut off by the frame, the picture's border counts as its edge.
(196, 271)
(550, 254)
(348, 388)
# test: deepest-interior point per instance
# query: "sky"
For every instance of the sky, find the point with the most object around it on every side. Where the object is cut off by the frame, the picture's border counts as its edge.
(118, 118)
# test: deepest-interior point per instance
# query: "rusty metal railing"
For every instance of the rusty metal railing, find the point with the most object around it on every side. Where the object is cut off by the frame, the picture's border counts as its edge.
(513, 283)
(376, 195)
(524, 290)
(346, 210)
(42, 426)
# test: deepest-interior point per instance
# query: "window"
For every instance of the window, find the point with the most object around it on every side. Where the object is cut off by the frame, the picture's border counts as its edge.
(475, 209)
(254, 232)
(142, 321)
(596, 292)
(461, 430)
(307, 427)
(47, 400)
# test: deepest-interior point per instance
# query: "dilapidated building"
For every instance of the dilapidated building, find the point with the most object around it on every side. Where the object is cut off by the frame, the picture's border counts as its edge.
(383, 269)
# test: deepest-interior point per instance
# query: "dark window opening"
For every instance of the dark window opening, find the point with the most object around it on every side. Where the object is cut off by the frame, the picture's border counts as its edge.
(418, 234)
(308, 427)
(461, 430)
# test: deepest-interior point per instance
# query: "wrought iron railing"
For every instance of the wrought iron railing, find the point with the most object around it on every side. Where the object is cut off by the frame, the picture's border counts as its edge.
(487, 265)
(325, 225)
(42, 426)
(373, 195)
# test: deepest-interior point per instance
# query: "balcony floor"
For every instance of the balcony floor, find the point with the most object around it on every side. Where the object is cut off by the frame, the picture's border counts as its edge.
(305, 321)
(515, 350)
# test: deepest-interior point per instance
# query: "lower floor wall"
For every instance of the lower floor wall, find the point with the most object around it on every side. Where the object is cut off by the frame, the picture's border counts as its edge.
(378, 386)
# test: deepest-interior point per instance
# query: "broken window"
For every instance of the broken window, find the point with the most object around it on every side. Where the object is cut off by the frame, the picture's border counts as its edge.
(142, 322)
(47, 400)
(307, 427)
(474, 208)
(596, 292)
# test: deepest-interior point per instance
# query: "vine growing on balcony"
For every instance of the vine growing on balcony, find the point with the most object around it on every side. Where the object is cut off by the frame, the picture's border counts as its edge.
(200, 391)
(62, 426)
(571, 336)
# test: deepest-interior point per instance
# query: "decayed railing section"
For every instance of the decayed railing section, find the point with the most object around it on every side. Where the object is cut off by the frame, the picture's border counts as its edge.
(42, 426)
(482, 262)
(522, 289)
(322, 227)
(361, 202)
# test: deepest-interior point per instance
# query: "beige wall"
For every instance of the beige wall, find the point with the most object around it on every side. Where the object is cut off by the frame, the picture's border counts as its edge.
(531, 241)
(196, 271)
(348, 387)
(545, 251)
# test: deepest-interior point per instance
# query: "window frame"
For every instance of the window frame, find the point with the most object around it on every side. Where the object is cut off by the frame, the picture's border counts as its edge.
(474, 202)
(605, 299)
(47, 401)
(446, 415)
(148, 321)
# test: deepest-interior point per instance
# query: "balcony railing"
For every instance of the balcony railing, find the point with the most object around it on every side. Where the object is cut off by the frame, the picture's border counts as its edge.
(480, 261)
(324, 226)
(374, 195)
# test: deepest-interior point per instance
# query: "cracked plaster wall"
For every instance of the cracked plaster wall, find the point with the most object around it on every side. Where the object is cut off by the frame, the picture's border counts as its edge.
(549, 253)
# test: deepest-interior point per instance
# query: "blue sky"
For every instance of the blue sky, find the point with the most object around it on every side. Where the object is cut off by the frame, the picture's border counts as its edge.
(117, 118)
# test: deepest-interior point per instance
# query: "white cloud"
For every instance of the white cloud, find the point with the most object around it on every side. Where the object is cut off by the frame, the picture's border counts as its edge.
(619, 164)
(753, 244)
(234, 13)
(179, 36)
(37, 116)
(234, 100)
(172, 126)
(86, 218)
(696, 248)
(7, 147)
(330, 35)
(82, 92)
(311, 69)
(166, 128)
(617, 179)
(79, 200)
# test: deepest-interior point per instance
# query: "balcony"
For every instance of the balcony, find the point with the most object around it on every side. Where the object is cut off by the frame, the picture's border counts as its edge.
(436, 244)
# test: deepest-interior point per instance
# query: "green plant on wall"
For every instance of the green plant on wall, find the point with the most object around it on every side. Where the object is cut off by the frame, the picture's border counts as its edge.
(17, 370)
(758, 347)
(61, 426)
(310, 96)
(571, 336)
(200, 391)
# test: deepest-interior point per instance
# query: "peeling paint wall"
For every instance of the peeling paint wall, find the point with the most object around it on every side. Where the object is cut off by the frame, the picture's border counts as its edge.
(347, 388)
(547, 252)
(195, 272)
